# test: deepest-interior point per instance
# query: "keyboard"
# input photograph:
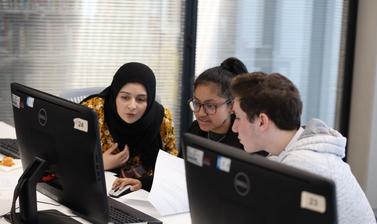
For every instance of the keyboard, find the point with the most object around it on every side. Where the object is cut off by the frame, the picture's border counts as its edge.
(121, 213)
(9, 147)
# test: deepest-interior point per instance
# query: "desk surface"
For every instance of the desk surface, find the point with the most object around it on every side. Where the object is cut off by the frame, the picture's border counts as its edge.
(137, 200)
(7, 131)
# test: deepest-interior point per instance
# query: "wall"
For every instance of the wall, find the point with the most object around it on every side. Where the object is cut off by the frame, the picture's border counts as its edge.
(362, 142)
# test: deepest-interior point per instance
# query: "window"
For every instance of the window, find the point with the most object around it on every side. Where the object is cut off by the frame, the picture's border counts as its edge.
(57, 45)
(299, 39)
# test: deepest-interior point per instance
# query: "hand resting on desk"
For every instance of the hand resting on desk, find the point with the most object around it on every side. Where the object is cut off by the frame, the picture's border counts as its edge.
(122, 182)
(118, 192)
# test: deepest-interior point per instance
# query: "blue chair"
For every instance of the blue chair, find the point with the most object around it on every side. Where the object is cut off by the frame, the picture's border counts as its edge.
(77, 95)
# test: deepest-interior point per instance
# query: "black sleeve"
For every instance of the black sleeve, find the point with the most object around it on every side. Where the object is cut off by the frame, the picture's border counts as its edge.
(194, 129)
(146, 182)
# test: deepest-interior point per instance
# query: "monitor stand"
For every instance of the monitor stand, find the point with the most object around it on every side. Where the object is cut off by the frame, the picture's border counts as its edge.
(26, 192)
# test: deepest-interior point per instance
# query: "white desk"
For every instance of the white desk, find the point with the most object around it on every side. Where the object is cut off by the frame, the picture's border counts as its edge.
(7, 131)
(137, 200)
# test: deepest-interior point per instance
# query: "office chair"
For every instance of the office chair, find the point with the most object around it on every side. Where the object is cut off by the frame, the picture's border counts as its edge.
(77, 95)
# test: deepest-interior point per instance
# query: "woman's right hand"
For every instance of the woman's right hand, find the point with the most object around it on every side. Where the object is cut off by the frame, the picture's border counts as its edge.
(111, 160)
(122, 182)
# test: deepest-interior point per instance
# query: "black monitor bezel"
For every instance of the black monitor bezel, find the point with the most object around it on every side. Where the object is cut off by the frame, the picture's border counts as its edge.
(193, 173)
(95, 179)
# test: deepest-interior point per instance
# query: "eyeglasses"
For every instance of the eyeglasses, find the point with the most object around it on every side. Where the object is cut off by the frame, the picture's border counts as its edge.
(209, 108)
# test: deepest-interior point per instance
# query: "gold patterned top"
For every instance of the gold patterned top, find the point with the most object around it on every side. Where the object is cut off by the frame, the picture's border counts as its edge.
(166, 132)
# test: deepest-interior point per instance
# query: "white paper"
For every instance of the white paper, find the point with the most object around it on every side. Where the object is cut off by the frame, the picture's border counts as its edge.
(109, 178)
(7, 131)
(8, 181)
(169, 192)
(5, 202)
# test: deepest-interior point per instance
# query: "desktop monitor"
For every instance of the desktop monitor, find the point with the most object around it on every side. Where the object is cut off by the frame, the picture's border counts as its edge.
(226, 185)
(65, 135)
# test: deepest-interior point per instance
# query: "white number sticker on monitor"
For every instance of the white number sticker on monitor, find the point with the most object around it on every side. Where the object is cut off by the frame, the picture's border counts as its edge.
(195, 156)
(30, 101)
(16, 100)
(80, 124)
(223, 163)
(314, 202)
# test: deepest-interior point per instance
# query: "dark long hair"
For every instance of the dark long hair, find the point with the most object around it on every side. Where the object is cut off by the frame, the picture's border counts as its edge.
(222, 75)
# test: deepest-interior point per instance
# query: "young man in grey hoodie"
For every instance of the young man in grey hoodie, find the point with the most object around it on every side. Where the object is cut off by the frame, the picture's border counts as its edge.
(268, 110)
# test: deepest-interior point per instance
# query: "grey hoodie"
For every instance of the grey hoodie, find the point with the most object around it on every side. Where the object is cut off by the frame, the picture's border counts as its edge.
(319, 149)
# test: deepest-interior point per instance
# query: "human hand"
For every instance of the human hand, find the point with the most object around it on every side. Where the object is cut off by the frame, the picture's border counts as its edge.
(111, 160)
(121, 182)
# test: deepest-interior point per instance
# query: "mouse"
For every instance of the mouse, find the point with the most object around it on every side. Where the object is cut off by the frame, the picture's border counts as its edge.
(117, 192)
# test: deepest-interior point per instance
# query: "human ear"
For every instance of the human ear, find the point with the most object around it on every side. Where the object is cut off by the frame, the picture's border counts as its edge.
(263, 121)
(229, 107)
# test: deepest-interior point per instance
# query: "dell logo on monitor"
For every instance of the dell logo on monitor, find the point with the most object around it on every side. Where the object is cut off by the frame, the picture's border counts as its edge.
(242, 184)
(42, 117)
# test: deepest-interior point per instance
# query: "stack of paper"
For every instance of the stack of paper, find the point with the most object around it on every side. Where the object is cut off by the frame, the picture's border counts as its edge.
(169, 192)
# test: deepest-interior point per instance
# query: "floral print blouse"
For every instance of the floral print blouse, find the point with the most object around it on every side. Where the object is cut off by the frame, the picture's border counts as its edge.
(166, 132)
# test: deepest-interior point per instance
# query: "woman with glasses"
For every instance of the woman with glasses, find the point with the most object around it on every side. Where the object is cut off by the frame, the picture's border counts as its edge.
(212, 103)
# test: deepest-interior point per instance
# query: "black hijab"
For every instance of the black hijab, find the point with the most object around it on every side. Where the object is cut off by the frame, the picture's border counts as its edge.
(143, 136)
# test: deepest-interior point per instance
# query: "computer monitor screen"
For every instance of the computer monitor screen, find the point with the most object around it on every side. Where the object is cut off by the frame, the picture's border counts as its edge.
(65, 135)
(226, 185)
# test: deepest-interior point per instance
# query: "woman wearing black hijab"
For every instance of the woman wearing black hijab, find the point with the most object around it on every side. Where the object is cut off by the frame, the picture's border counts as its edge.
(132, 125)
